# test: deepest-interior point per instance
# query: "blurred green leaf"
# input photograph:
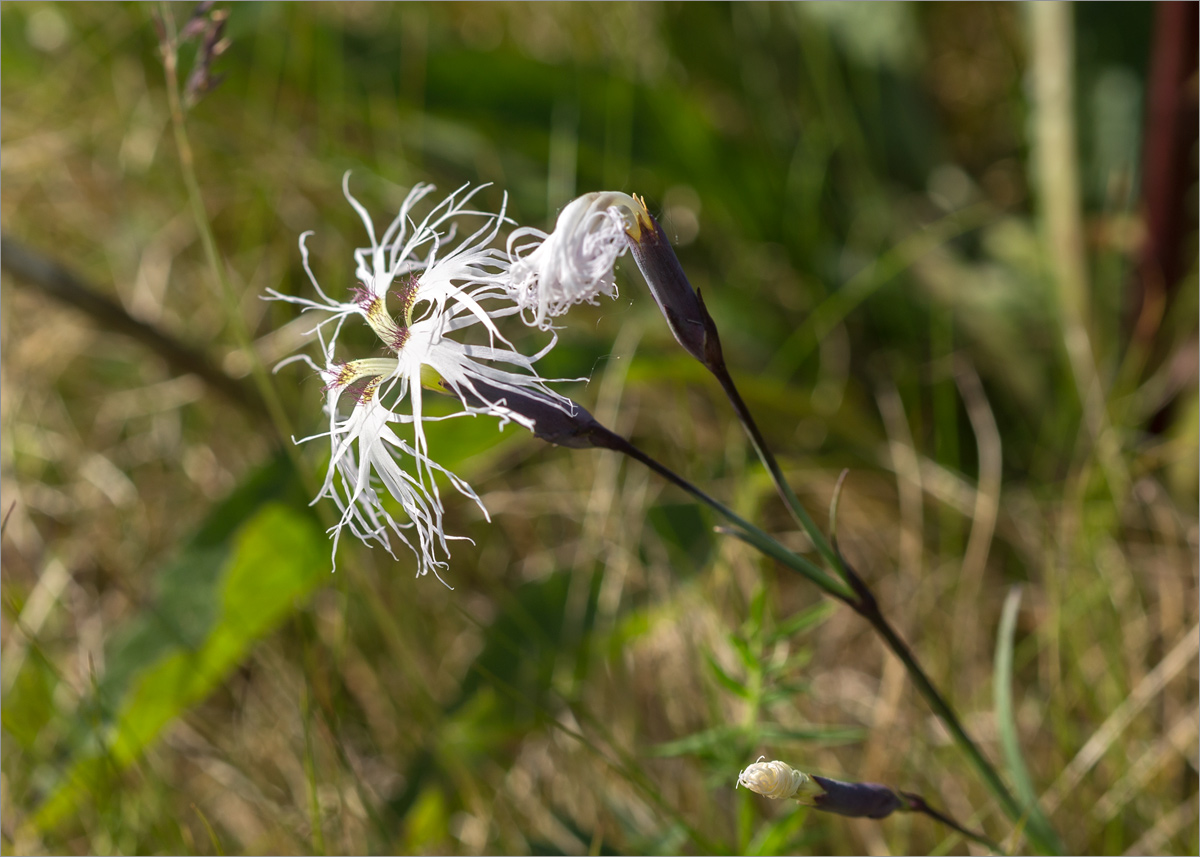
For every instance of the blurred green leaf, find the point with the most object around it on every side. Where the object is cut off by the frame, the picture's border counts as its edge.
(722, 741)
(801, 622)
(29, 703)
(428, 822)
(784, 692)
(758, 609)
(683, 526)
(709, 743)
(724, 679)
(780, 835)
(745, 654)
(825, 735)
(174, 657)
(670, 840)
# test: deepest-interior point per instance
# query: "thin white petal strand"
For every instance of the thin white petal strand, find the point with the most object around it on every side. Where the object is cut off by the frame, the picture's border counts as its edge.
(574, 263)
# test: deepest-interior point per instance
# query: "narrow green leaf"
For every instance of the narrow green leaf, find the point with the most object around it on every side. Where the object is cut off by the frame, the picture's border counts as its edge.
(834, 503)
(797, 661)
(29, 704)
(725, 680)
(709, 742)
(825, 735)
(1007, 723)
(802, 621)
(785, 692)
(745, 654)
(758, 609)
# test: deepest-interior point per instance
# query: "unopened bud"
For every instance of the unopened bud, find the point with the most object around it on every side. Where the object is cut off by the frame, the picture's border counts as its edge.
(779, 780)
(681, 305)
(857, 800)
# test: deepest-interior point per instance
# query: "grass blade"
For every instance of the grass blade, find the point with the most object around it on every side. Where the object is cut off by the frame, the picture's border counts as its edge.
(1007, 724)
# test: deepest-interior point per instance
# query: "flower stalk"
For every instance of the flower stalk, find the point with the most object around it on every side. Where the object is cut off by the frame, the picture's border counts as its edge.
(578, 429)
(696, 331)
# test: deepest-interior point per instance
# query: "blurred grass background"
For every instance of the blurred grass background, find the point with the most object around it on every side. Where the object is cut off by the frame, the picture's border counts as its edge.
(860, 193)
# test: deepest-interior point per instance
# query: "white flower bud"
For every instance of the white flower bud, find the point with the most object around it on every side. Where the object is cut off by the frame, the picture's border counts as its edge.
(777, 780)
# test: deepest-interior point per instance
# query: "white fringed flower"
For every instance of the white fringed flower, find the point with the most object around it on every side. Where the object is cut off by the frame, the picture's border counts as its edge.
(442, 294)
(777, 780)
(574, 263)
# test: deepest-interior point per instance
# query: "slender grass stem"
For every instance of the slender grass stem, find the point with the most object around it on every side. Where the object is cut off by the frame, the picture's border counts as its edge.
(191, 183)
(310, 775)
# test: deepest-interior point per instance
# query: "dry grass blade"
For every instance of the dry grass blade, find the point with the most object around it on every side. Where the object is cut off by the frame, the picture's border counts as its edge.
(1180, 741)
(1169, 826)
(1181, 656)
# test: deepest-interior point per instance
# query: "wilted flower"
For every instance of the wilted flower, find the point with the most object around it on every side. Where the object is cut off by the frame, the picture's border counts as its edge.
(441, 294)
(574, 263)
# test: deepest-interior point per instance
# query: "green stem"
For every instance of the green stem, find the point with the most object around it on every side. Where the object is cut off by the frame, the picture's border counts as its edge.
(310, 776)
(781, 484)
(751, 534)
(863, 602)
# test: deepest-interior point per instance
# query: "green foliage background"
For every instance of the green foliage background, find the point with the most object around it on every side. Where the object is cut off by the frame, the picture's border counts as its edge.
(853, 189)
